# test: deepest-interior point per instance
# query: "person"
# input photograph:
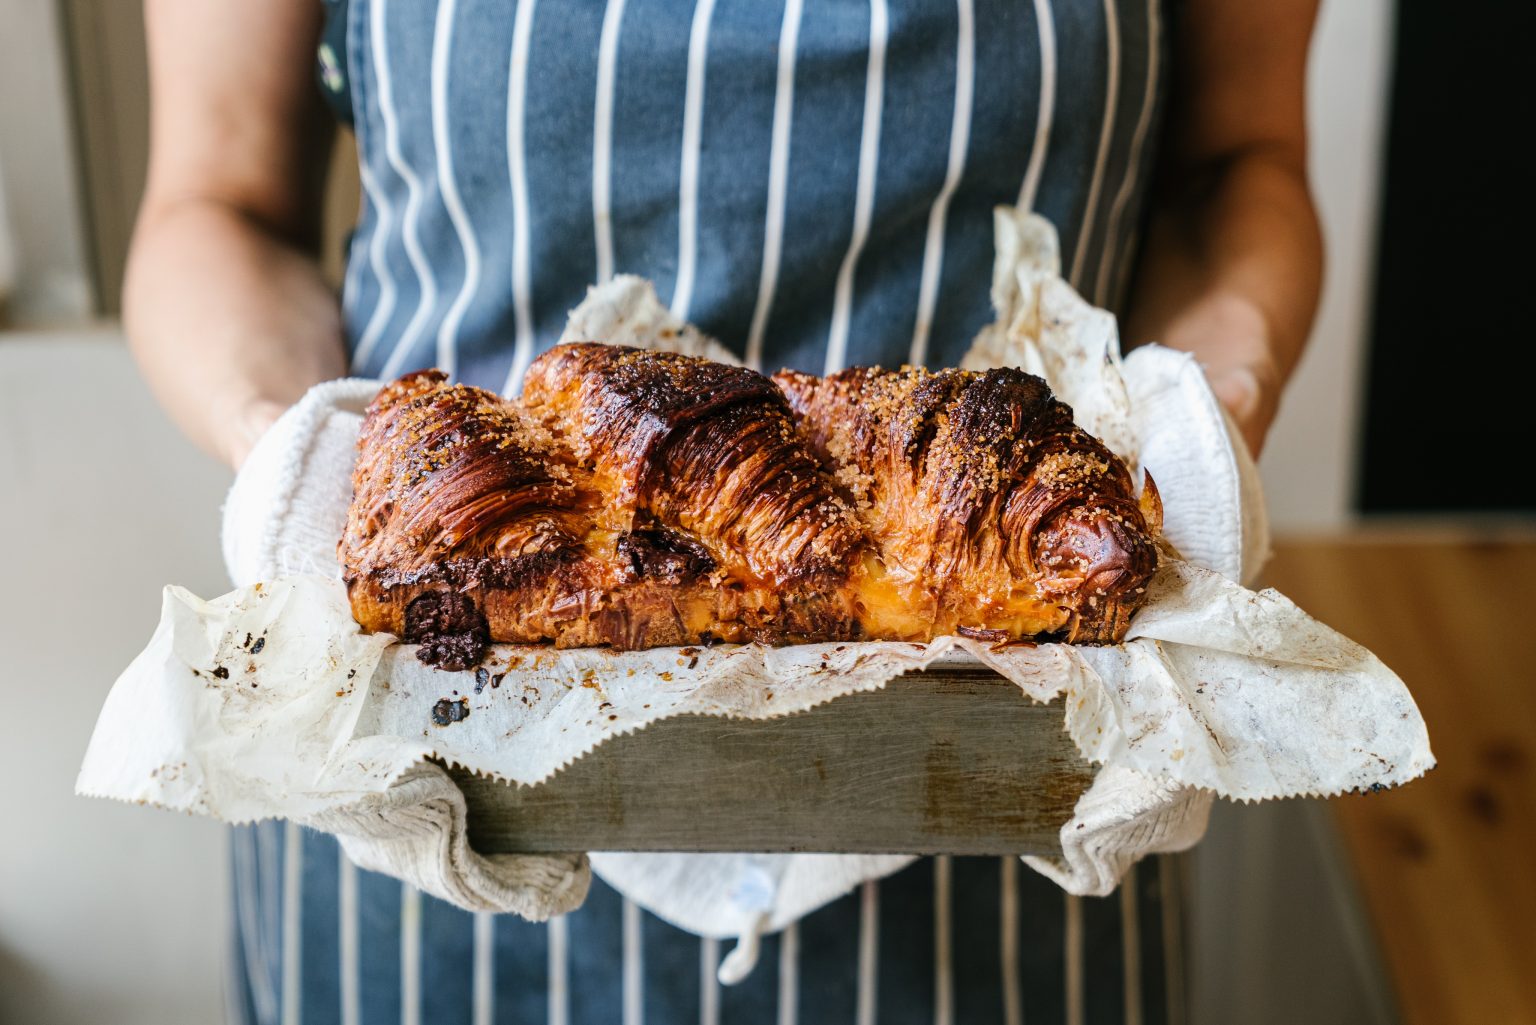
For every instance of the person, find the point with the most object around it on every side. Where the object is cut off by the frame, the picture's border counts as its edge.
(811, 183)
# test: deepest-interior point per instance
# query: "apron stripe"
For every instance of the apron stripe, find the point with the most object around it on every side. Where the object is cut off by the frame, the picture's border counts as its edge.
(1045, 27)
(828, 943)
(249, 872)
(959, 140)
(1106, 136)
(634, 966)
(864, 199)
(447, 332)
(410, 227)
(379, 934)
(976, 941)
(1152, 982)
(789, 975)
(778, 175)
(484, 978)
(602, 138)
(1171, 876)
(1130, 946)
(943, 971)
(517, 170)
(293, 895)
(559, 979)
(410, 955)
(869, 951)
(384, 219)
(1118, 248)
(445, 961)
(347, 906)
(688, 184)
(237, 976)
(521, 981)
(709, 981)
(1074, 959)
(1008, 946)
(319, 917)
(594, 951)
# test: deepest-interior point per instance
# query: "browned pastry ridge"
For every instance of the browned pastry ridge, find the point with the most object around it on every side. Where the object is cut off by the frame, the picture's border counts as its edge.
(637, 499)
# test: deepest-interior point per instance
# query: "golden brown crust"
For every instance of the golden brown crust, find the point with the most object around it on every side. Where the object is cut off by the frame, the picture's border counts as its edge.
(991, 509)
(639, 499)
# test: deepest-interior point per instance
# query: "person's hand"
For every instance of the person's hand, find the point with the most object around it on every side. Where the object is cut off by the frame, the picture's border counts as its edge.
(246, 428)
(1231, 339)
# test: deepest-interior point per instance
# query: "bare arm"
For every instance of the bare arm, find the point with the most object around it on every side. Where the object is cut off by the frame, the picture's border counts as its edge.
(224, 305)
(1232, 265)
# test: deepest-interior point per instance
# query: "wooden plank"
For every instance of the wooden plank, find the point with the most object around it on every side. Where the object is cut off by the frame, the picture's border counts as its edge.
(954, 761)
(1445, 862)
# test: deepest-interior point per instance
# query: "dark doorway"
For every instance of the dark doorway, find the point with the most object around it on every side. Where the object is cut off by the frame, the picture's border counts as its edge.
(1451, 398)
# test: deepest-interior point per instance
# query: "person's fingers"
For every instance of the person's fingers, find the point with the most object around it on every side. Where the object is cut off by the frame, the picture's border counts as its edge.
(246, 428)
(1241, 391)
(1238, 389)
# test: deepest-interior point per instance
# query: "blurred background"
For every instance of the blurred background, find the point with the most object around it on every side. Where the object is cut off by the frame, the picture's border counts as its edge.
(1399, 480)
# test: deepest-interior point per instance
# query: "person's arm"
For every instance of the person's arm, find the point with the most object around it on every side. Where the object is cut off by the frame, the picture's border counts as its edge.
(1232, 264)
(224, 304)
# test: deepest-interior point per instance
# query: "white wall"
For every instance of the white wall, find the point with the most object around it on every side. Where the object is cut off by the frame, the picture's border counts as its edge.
(108, 912)
(1309, 462)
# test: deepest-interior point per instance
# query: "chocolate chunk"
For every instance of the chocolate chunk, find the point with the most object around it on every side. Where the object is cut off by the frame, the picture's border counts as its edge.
(451, 632)
(448, 711)
(663, 555)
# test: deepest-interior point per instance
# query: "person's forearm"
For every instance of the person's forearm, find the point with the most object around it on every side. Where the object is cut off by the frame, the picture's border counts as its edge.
(229, 324)
(1230, 272)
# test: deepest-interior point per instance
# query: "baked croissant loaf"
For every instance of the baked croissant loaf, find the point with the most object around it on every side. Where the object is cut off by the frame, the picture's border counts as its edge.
(636, 499)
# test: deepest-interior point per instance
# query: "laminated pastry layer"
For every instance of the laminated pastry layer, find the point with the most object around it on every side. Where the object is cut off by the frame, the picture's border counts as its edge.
(991, 512)
(636, 499)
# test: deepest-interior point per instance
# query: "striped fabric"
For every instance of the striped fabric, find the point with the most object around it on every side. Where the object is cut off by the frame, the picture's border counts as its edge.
(948, 941)
(810, 181)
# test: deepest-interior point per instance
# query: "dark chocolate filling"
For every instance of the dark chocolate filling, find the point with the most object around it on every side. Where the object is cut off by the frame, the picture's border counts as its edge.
(451, 632)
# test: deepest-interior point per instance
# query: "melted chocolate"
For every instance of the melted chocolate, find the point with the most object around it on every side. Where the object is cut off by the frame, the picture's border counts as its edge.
(663, 555)
(451, 632)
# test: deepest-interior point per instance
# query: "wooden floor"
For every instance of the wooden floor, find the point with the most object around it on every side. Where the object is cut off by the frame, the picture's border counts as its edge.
(1448, 863)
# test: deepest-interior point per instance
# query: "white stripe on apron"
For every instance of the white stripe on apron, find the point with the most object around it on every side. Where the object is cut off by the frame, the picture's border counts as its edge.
(448, 330)
(688, 187)
(1106, 137)
(959, 139)
(1046, 30)
(517, 171)
(778, 176)
(864, 200)
(602, 139)
(410, 230)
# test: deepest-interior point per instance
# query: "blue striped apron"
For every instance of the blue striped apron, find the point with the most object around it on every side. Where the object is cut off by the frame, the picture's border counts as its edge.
(812, 184)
